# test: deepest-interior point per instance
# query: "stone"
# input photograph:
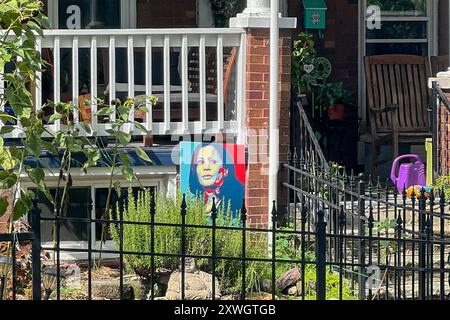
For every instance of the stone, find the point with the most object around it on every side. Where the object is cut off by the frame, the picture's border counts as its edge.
(266, 286)
(140, 287)
(292, 291)
(198, 286)
(110, 289)
(288, 279)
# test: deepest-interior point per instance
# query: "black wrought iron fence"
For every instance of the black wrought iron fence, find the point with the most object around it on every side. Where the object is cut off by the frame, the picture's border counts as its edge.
(382, 243)
(273, 259)
(440, 130)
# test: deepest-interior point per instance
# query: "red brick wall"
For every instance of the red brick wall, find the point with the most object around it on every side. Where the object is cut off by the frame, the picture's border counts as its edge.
(443, 27)
(257, 120)
(340, 44)
(167, 14)
(5, 217)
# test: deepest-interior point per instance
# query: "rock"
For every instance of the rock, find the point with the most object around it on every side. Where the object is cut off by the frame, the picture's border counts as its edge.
(260, 296)
(292, 291)
(140, 287)
(288, 279)
(299, 288)
(198, 286)
(230, 297)
(110, 289)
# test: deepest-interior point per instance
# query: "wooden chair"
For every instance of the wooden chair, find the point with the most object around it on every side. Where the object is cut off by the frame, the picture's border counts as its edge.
(398, 101)
(439, 63)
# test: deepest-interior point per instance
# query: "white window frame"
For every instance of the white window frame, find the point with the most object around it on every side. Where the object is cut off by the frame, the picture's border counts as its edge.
(128, 14)
(163, 178)
(432, 28)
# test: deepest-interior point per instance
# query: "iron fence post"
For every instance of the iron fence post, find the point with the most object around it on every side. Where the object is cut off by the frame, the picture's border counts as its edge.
(321, 249)
(434, 124)
(422, 245)
(362, 241)
(36, 250)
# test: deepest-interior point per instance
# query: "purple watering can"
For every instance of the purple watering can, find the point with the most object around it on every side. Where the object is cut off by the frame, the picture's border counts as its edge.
(409, 174)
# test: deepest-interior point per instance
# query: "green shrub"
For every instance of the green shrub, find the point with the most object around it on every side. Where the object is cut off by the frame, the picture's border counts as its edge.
(136, 238)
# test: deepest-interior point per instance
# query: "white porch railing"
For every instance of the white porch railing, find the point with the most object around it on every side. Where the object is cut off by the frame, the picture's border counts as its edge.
(212, 113)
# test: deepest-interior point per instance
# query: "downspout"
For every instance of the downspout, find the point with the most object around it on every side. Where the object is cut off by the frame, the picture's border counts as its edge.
(274, 141)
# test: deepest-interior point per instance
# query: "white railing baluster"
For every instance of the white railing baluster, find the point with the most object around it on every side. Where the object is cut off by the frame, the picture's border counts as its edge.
(202, 71)
(112, 73)
(184, 83)
(240, 90)
(220, 85)
(148, 81)
(94, 94)
(166, 83)
(130, 56)
(75, 79)
(57, 77)
(163, 39)
(38, 88)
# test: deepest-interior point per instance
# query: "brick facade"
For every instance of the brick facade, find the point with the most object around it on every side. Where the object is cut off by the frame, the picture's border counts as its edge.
(257, 119)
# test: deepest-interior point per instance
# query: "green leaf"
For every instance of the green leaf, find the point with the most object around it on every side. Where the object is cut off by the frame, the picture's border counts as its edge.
(117, 188)
(143, 155)
(140, 127)
(7, 179)
(36, 175)
(106, 111)
(124, 138)
(55, 117)
(6, 129)
(127, 172)
(3, 205)
(21, 208)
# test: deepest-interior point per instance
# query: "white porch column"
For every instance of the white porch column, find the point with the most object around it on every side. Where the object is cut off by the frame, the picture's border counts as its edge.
(258, 7)
(257, 15)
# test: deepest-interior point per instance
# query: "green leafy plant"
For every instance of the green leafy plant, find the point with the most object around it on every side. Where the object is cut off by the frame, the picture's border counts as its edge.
(330, 94)
(303, 53)
(443, 183)
(224, 10)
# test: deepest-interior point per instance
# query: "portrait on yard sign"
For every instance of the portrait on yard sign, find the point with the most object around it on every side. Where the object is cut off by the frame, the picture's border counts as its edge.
(214, 170)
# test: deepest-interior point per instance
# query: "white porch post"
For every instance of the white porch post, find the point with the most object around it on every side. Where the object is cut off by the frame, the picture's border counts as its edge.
(274, 116)
(258, 7)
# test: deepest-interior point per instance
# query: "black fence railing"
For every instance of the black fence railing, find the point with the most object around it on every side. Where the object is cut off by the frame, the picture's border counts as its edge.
(9, 262)
(441, 132)
(262, 268)
(381, 243)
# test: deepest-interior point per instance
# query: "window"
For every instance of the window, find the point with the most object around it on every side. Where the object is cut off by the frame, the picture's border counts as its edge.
(78, 205)
(75, 206)
(406, 28)
(89, 14)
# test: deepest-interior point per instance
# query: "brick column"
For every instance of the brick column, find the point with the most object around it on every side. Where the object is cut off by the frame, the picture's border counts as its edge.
(257, 110)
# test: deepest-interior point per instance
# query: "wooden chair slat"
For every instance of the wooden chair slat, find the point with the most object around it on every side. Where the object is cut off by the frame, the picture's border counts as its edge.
(399, 80)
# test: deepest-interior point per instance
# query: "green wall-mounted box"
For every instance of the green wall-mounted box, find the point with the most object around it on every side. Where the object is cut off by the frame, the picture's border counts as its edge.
(315, 14)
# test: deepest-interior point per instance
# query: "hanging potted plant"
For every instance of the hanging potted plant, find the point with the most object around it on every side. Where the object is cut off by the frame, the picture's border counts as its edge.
(303, 55)
(333, 97)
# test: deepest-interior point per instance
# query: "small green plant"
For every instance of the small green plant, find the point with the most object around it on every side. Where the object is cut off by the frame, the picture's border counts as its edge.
(303, 54)
(443, 183)
(330, 94)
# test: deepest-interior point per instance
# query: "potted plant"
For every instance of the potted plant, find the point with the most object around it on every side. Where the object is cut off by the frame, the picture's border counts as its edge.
(303, 55)
(333, 97)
